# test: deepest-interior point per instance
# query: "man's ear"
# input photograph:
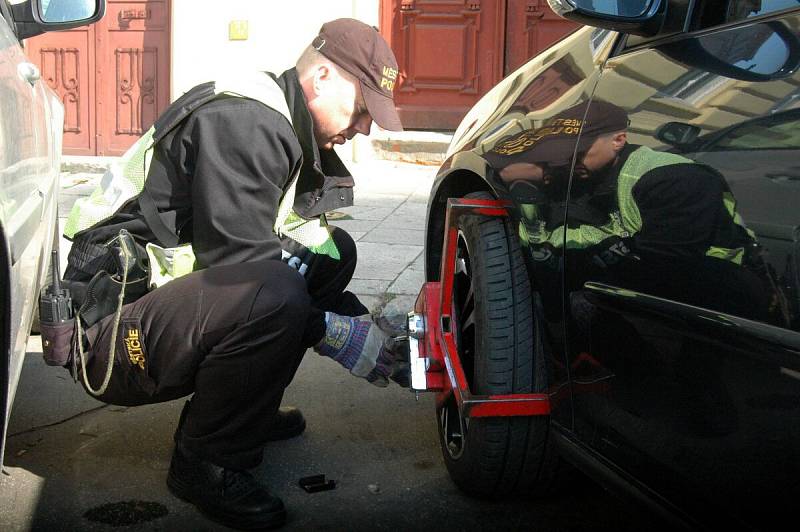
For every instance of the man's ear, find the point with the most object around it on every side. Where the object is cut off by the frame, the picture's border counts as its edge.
(619, 140)
(322, 78)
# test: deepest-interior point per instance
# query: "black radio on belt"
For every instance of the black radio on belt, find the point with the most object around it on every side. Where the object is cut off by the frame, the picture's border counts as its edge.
(56, 319)
(55, 302)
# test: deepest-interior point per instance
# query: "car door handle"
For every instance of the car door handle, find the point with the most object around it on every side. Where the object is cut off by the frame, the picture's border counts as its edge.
(29, 72)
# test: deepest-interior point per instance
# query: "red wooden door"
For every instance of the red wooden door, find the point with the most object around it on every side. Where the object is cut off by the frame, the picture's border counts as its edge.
(66, 62)
(133, 71)
(113, 77)
(451, 52)
(531, 27)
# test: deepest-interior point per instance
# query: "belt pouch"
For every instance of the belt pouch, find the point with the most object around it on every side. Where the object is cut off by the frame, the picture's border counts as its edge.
(57, 341)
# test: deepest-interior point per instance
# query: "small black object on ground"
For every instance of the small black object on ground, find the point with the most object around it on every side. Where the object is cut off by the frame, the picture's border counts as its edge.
(317, 483)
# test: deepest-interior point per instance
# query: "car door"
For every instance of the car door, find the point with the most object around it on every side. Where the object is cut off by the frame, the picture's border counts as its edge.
(28, 188)
(687, 378)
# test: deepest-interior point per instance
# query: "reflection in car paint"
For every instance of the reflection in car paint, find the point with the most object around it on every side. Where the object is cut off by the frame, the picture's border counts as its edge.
(684, 368)
(672, 311)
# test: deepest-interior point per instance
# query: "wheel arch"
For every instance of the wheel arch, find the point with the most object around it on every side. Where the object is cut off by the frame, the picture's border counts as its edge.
(454, 184)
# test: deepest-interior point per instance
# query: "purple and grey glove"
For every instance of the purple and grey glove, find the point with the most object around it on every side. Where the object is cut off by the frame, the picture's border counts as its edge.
(367, 350)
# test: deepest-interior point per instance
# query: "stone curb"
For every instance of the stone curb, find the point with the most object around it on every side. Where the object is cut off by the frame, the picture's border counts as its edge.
(418, 147)
(429, 153)
(86, 164)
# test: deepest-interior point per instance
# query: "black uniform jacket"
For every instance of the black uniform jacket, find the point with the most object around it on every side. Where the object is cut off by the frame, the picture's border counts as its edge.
(219, 169)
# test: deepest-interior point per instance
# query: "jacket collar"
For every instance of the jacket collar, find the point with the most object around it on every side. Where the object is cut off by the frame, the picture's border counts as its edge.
(322, 170)
(322, 162)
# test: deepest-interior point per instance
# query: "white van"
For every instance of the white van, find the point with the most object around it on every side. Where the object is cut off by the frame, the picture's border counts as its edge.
(31, 124)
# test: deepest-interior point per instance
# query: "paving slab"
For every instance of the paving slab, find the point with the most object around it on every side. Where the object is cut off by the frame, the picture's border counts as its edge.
(391, 177)
(384, 261)
(74, 186)
(361, 212)
(419, 263)
(378, 199)
(422, 192)
(400, 304)
(394, 236)
(372, 287)
(404, 220)
(408, 282)
(419, 197)
(48, 399)
(356, 226)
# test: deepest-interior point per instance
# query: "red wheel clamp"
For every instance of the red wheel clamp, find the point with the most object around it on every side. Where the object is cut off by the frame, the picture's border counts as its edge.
(435, 362)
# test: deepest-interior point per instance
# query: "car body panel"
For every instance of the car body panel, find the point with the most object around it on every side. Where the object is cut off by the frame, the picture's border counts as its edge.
(692, 378)
(687, 395)
(28, 188)
(31, 119)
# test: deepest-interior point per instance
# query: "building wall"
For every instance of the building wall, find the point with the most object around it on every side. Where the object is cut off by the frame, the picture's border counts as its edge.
(277, 34)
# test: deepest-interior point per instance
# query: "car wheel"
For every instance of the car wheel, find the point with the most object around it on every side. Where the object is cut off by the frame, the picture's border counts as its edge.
(500, 349)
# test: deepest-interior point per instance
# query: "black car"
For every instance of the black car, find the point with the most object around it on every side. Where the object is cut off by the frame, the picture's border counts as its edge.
(646, 277)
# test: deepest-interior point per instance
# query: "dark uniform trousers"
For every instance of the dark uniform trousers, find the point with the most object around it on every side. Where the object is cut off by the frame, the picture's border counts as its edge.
(234, 336)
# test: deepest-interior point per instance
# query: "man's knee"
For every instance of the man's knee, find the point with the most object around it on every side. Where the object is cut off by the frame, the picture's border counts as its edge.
(282, 291)
(344, 243)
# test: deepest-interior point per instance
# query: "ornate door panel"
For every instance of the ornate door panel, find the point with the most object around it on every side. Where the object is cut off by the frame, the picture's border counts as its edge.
(531, 27)
(133, 71)
(113, 77)
(449, 53)
(66, 61)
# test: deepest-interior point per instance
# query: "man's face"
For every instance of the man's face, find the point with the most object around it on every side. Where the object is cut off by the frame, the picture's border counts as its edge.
(337, 108)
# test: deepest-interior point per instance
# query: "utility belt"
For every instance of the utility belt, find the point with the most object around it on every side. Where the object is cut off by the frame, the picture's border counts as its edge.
(67, 308)
(119, 272)
(105, 266)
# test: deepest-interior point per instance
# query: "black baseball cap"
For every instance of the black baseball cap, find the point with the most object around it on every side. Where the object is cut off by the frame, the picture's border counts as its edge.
(360, 50)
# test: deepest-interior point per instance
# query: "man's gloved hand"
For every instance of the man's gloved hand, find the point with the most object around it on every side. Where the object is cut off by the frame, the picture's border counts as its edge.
(392, 364)
(367, 350)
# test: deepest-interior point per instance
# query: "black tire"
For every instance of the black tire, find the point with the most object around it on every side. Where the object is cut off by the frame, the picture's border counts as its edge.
(500, 348)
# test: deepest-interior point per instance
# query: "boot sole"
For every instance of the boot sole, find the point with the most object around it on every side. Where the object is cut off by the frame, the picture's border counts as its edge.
(269, 521)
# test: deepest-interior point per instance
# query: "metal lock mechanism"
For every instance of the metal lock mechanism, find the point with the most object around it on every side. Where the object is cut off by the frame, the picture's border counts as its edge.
(419, 364)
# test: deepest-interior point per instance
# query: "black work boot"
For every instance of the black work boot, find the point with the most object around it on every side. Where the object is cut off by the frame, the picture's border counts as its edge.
(288, 423)
(226, 496)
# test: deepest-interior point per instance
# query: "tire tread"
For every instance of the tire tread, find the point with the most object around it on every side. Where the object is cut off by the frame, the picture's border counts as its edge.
(503, 455)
